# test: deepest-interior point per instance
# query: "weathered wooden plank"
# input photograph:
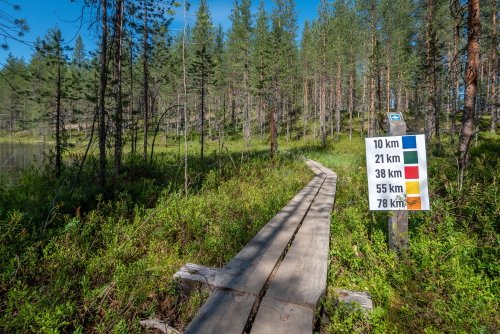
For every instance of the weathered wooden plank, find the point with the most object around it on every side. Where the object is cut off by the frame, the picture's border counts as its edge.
(301, 277)
(241, 281)
(160, 325)
(278, 317)
(319, 168)
(350, 297)
(314, 166)
(196, 278)
(224, 312)
(249, 270)
(309, 190)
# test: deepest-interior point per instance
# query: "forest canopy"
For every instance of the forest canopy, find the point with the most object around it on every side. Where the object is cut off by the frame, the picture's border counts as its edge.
(357, 59)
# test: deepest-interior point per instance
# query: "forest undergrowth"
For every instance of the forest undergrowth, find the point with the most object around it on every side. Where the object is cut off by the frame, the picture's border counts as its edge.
(99, 265)
(448, 281)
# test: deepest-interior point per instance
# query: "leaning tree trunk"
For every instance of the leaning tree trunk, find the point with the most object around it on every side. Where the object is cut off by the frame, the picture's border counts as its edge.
(58, 113)
(102, 92)
(371, 108)
(145, 86)
(494, 68)
(471, 72)
(118, 88)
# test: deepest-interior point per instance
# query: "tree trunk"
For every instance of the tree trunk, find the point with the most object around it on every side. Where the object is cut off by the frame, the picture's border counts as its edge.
(371, 108)
(322, 109)
(202, 118)
(102, 94)
(338, 94)
(272, 132)
(471, 74)
(118, 88)
(454, 80)
(131, 92)
(388, 98)
(58, 113)
(352, 76)
(305, 106)
(494, 68)
(145, 86)
(430, 72)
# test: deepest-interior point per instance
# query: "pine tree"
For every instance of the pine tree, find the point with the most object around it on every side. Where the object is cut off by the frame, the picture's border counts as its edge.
(36, 69)
(79, 68)
(306, 62)
(55, 87)
(202, 66)
(471, 75)
(323, 31)
(12, 27)
(261, 61)
(220, 79)
(103, 82)
(239, 52)
(283, 32)
(118, 47)
(13, 87)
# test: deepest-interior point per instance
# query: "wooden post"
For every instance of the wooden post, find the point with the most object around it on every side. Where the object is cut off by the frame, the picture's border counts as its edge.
(398, 221)
(271, 129)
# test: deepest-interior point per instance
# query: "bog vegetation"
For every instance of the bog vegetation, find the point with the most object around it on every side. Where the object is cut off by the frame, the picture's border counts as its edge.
(162, 157)
(448, 281)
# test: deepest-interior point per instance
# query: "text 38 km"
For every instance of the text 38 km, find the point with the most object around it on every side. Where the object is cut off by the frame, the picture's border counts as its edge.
(381, 173)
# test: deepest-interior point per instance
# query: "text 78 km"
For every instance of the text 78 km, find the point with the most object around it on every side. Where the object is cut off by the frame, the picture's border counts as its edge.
(394, 203)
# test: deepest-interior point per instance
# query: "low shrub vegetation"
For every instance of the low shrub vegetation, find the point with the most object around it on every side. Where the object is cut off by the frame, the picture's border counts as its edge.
(448, 280)
(102, 260)
(99, 265)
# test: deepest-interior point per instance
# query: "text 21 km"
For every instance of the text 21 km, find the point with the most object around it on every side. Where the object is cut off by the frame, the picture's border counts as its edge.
(379, 158)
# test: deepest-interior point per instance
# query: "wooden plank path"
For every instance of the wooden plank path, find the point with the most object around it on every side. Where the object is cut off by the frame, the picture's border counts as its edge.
(274, 284)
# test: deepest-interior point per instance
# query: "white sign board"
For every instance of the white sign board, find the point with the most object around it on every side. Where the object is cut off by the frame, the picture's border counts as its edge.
(397, 173)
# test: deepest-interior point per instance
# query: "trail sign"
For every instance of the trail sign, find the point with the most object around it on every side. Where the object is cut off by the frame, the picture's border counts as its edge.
(397, 173)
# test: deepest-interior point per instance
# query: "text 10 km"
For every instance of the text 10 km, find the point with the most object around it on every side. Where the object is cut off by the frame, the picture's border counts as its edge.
(379, 143)
(381, 173)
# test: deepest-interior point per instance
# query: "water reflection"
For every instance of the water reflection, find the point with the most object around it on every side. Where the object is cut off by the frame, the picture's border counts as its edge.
(14, 157)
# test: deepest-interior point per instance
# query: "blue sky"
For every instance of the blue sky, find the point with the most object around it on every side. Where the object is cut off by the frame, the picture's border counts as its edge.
(45, 14)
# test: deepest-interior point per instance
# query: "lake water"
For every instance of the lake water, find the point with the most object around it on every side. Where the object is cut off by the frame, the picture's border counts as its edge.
(14, 157)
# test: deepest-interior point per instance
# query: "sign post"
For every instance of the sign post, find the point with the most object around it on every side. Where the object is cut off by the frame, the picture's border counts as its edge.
(397, 177)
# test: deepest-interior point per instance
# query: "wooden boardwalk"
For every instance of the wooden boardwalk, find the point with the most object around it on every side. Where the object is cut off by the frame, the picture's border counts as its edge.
(275, 283)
